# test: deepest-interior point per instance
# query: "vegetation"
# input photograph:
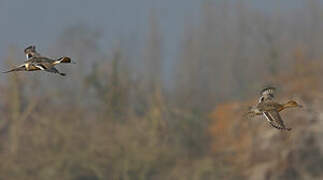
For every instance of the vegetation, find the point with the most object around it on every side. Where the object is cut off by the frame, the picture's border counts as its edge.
(117, 116)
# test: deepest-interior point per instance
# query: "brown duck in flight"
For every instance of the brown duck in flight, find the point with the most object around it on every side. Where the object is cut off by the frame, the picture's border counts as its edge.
(270, 109)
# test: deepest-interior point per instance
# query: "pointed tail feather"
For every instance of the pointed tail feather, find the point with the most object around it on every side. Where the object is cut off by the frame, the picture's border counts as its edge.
(21, 68)
(7, 71)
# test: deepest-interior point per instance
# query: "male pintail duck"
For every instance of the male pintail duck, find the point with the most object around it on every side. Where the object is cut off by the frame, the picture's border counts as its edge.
(37, 62)
(270, 109)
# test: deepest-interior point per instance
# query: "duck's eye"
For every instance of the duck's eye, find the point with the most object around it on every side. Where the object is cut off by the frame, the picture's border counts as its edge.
(29, 56)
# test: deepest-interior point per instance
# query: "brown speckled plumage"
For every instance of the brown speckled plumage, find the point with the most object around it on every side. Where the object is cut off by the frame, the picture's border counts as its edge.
(270, 109)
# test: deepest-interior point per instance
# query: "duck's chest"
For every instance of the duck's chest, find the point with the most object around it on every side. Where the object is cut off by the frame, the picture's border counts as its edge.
(268, 106)
(31, 67)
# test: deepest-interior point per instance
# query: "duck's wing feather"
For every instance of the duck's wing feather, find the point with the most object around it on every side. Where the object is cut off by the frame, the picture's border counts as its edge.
(268, 105)
(40, 60)
(54, 70)
(275, 120)
(267, 94)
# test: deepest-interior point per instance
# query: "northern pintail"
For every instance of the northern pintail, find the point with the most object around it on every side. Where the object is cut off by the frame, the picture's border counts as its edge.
(270, 109)
(37, 62)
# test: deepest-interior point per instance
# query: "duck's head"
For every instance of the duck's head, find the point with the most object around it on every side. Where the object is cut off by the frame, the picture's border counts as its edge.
(291, 104)
(30, 52)
(254, 110)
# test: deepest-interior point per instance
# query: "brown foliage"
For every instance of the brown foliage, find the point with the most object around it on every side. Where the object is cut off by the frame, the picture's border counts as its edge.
(116, 117)
(232, 134)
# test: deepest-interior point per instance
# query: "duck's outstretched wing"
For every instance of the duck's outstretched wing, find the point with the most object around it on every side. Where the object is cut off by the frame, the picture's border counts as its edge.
(275, 120)
(267, 94)
(31, 48)
(54, 70)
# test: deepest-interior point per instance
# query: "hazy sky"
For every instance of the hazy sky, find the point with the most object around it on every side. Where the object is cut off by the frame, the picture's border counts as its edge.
(40, 22)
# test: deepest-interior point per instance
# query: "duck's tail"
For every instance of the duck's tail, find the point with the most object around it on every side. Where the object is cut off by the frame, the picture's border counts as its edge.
(64, 59)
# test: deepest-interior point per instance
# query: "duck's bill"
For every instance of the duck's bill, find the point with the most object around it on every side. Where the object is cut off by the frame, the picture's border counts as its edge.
(300, 106)
(22, 68)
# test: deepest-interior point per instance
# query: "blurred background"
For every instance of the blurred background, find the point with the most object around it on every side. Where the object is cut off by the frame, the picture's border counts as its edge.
(160, 88)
